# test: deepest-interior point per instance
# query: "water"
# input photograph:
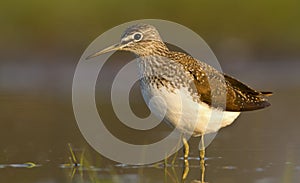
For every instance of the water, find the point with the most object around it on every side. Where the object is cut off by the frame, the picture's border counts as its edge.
(38, 124)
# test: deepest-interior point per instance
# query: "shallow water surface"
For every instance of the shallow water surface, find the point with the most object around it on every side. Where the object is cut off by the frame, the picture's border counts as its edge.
(36, 128)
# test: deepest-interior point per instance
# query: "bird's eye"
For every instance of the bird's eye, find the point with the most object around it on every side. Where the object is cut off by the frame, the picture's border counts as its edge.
(137, 36)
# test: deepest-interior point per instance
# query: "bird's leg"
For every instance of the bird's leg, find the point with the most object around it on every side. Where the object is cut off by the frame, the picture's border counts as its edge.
(186, 155)
(186, 148)
(186, 169)
(202, 159)
(202, 148)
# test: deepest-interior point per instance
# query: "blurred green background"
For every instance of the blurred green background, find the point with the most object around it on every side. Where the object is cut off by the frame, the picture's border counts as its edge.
(42, 41)
(32, 28)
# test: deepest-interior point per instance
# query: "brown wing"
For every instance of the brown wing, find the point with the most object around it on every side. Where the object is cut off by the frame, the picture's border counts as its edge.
(212, 87)
(241, 97)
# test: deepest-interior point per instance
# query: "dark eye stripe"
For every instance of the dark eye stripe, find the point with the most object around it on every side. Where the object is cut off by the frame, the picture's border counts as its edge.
(125, 42)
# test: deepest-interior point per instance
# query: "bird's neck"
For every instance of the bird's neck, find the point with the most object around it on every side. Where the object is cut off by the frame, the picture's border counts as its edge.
(152, 48)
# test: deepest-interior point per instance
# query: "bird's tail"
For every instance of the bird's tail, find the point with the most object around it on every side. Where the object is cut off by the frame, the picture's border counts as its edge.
(267, 94)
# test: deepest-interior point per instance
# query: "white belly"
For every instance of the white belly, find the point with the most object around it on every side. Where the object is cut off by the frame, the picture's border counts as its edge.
(185, 114)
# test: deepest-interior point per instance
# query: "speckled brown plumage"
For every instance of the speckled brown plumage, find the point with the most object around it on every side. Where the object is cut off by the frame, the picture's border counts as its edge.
(210, 85)
(239, 97)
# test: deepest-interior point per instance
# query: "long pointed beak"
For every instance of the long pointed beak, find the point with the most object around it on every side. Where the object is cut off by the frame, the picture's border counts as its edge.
(108, 49)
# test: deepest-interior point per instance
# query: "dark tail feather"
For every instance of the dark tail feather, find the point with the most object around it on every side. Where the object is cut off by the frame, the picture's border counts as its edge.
(267, 93)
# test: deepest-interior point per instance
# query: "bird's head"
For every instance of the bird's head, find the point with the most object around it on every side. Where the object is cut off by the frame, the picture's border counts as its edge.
(141, 39)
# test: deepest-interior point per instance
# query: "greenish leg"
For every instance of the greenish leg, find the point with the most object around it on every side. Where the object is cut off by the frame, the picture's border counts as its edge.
(202, 159)
(202, 149)
(186, 147)
(186, 155)
(186, 169)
